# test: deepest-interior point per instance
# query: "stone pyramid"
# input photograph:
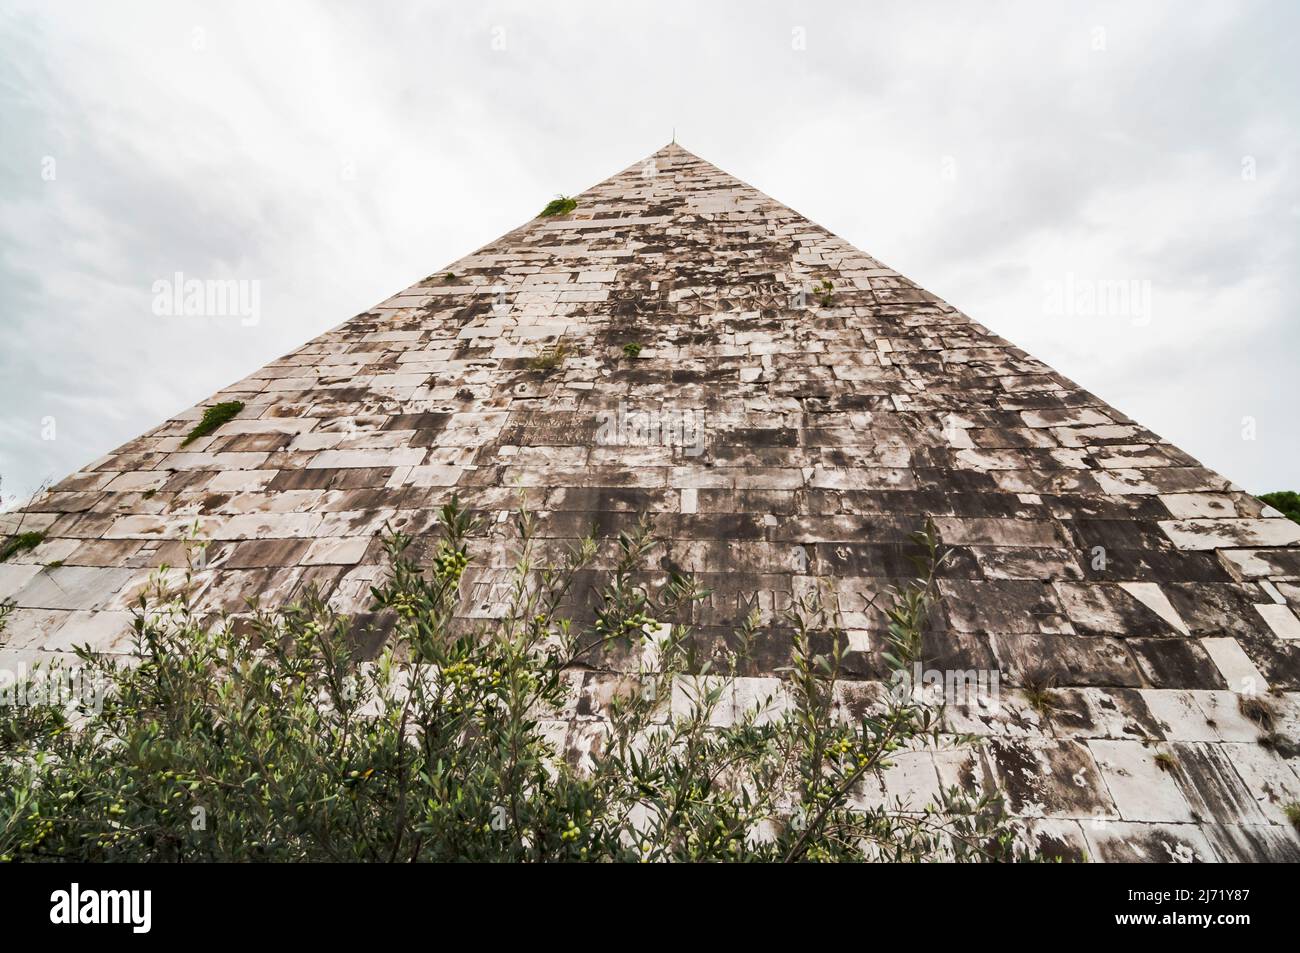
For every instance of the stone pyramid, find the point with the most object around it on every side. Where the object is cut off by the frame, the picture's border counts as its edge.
(795, 412)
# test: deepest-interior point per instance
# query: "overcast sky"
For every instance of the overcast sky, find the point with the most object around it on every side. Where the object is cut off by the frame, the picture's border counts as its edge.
(996, 153)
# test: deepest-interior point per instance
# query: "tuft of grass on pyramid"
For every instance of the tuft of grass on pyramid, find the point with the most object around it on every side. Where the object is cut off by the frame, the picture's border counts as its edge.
(213, 417)
(561, 205)
(20, 543)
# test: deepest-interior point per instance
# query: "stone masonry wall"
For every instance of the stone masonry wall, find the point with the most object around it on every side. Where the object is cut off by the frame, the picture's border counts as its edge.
(796, 412)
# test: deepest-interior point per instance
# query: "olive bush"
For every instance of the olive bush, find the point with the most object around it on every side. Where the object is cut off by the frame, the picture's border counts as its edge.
(267, 737)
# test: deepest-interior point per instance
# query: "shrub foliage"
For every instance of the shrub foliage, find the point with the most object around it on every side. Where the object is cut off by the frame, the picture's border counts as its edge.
(273, 740)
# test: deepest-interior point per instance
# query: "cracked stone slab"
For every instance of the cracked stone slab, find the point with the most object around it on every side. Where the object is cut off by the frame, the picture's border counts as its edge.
(1149, 843)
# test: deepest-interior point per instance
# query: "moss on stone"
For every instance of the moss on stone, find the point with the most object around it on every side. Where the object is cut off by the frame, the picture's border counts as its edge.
(20, 543)
(213, 417)
(562, 205)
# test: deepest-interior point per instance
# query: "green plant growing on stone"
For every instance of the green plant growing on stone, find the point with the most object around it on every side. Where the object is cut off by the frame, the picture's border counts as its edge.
(1039, 691)
(449, 277)
(825, 292)
(1292, 812)
(213, 417)
(560, 205)
(1287, 502)
(1282, 744)
(275, 740)
(549, 357)
(1258, 711)
(631, 349)
(20, 543)
(1165, 760)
